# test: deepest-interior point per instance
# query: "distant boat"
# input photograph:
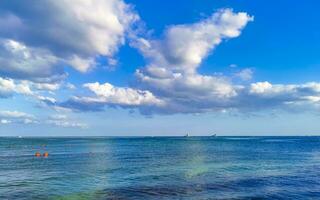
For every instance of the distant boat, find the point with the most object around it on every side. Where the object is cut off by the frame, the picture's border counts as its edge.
(214, 135)
(187, 135)
(19, 136)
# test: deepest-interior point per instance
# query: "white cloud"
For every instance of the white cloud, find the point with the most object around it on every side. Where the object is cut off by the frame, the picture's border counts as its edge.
(173, 61)
(82, 64)
(22, 62)
(67, 124)
(58, 117)
(37, 38)
(233, 65)
(245, 74)
(5, 121)
(64, 121)
(42, 93)
(170, 82)
(10, 117)
(8, 87)
(15, 114)
(295, 91)
(7, 117)
(45, 86)
(123, 96)
(47, 100)
(184, 47)
(17, 117)
(34, 91)
(70, 86)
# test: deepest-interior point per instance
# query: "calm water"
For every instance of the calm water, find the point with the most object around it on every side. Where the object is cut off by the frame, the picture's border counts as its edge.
(161, 168)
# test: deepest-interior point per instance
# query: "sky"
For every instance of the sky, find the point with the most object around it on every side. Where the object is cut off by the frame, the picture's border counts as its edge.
(140, 67)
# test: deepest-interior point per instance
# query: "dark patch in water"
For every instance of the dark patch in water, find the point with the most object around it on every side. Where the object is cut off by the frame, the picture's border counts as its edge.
(234, 190)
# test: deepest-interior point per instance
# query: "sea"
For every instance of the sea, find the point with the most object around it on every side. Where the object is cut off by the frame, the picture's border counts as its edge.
(160, 168)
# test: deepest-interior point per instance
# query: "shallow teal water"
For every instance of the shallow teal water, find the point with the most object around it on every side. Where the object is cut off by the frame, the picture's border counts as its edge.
(161, 168)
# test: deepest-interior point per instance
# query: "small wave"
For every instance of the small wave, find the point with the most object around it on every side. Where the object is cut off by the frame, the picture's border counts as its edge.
(241, 138)
(281, 140)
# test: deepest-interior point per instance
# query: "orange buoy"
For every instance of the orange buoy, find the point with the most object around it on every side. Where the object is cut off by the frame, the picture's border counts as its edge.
(45, 154)
(38, 154)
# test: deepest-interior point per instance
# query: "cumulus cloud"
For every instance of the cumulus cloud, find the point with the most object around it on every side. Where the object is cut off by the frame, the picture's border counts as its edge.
(285, 93)
(184, 47)
(170, 82)
(36, 42)
(8, 87)
(40, 92)
(107, 94)
(265, 95)
(251, 98)
(7, 117)
(38, 38)
(20, 61)
(123, 96)
(171, 73)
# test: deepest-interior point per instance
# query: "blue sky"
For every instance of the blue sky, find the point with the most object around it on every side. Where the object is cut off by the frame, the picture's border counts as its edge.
(113, 67)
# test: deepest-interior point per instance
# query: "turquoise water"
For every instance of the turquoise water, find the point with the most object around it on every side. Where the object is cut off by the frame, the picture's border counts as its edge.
(161, 168)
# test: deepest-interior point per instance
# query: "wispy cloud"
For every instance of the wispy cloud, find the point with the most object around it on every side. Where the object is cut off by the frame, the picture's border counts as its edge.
(60, 120)
(64, 121)
(8, 117)
(245, 74)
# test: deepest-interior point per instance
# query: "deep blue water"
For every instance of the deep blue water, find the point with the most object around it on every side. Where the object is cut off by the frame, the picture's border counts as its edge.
(161, 168)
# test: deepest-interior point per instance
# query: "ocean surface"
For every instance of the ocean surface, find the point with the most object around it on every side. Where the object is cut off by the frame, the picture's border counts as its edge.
(160, 168)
